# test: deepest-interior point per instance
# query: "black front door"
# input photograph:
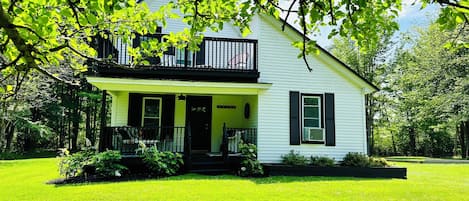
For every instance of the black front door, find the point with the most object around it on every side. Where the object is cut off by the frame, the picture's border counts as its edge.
(199, 116)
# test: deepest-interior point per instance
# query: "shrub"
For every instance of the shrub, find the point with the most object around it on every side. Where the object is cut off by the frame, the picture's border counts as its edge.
(322, 161)
(361, 160)
(71, 165)
(293, 158)
(105, 164)
(353, 159)
(250, 166)
(378, 162)
(161, 163)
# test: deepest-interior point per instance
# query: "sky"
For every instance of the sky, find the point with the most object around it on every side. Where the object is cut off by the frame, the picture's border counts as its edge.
(410, 16)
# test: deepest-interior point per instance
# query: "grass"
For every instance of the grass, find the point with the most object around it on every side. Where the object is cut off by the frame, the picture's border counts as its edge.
(421, 159)
(406, 158)
(25, 180)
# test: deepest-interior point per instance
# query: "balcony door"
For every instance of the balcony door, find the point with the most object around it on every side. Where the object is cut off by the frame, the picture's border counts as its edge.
(199, 115)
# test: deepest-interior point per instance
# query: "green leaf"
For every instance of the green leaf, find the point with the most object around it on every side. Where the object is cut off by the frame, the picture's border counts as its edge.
(9, 88)
(92, 19)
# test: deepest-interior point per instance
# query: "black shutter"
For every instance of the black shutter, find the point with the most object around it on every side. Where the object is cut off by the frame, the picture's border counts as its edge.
(200, 55)
(167, 117)
(136, 41)
(330, 119)
(295, 138)
(135, 110)
(167, 111)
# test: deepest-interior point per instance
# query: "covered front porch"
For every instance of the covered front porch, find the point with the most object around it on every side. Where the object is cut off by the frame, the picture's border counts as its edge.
(180, 116)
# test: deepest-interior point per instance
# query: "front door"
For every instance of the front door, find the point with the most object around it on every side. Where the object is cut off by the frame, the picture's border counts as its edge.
(199, 116)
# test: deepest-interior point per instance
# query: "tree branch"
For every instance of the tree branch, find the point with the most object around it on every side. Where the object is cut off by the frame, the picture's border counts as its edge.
(288, 14)
(30, 30)
(4, 65)
(303, 25)
(50, 75)
(449, 3)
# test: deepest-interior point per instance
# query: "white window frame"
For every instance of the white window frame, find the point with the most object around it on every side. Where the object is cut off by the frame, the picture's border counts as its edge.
(159, 110)
(320, 108)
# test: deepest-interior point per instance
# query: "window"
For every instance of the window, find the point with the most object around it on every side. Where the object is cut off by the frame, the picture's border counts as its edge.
(151, 112)
(312, 119)
(181, 56)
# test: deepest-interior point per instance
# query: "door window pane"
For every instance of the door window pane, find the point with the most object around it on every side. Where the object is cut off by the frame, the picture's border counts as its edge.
(152, 108)
(151, 122)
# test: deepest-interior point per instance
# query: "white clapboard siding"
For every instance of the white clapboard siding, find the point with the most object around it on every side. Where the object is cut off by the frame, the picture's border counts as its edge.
(278, 64)
(175, 25)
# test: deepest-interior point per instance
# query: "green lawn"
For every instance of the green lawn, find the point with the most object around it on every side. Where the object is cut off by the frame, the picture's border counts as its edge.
(25, 180)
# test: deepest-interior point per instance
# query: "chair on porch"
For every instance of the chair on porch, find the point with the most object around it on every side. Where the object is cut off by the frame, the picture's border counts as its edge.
(129, 138)
(234, 138)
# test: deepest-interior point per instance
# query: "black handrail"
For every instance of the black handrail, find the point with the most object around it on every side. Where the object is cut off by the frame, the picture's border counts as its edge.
(224, 143)
(232, 137)
(188, 147)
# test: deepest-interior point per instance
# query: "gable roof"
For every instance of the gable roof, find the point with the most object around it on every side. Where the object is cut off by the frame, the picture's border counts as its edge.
(323, 50)
(347, 67)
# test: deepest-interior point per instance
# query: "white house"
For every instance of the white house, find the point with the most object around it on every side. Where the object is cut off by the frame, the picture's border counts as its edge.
(253, 88)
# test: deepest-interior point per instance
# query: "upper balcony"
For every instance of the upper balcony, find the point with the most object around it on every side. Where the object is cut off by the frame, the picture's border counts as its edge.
(218, 59)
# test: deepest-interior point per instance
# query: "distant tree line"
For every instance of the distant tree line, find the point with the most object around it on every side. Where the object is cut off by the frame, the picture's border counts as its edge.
(46, 114)
(423, 105)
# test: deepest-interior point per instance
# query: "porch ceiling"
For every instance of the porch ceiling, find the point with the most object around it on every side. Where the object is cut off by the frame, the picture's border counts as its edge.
(173, 86)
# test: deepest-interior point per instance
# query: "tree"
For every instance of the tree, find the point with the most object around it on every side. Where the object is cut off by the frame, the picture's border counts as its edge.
(37, 34)
(429, 92)
(370, 65)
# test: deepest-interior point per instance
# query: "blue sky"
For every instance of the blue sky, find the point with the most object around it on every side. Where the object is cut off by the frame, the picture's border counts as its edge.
(410, 16)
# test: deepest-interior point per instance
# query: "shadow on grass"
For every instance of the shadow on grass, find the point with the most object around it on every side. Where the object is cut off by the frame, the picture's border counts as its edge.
(226, 177)
(28, 155)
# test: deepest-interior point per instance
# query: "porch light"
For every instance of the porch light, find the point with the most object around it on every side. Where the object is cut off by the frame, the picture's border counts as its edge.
(181, 97)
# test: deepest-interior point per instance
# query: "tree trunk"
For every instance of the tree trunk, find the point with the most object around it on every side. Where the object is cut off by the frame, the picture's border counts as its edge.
(394, 149)
(466, 131)
(412, 141)
(76, 118)
(102, 142)
(462, 140)
(88, 105)
(369, 104)
(9, 133)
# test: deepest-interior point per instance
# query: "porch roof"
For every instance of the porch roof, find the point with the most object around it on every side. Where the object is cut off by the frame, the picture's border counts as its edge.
(176, 86)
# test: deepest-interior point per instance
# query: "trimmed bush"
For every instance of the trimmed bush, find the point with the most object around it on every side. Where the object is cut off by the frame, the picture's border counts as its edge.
(161, 163)
(250, 166)
(105, 164)
(354, 159)
(293, 158)
(361, 160)
(321, 161)
(379, 162)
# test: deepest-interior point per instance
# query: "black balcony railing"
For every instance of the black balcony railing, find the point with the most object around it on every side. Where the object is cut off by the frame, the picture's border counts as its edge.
(213, 54)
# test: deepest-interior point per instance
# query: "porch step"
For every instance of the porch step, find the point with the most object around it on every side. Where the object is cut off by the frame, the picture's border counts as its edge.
(210, 165)
(203, 165)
